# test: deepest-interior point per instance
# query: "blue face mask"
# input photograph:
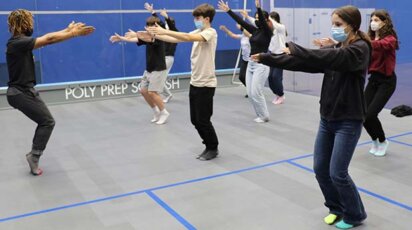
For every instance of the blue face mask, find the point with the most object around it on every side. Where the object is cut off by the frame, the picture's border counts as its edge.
(339, 34)
(199, 24)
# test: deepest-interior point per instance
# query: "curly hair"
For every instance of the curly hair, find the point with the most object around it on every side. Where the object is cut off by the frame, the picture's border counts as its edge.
(386, 29)
(20, 21)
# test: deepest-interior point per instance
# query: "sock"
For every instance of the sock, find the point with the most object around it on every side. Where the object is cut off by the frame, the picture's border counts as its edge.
(156, 110)
(342, 225)
(330, 219)
(164, 111)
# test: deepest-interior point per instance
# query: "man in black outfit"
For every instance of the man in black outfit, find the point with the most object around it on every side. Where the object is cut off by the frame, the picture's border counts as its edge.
(20, 94)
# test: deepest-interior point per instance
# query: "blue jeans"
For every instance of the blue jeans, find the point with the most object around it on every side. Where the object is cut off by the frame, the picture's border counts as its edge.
(256, 76)
(335, 143)
(275, 81)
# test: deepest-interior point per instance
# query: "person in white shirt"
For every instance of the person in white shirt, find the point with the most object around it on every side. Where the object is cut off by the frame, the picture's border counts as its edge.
(245, 48)
(203, 80)
(276, 46)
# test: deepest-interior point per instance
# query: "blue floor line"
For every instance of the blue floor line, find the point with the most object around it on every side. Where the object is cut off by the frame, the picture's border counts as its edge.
(399, 142)
(380, 197)
(59, 208)
(170, 211)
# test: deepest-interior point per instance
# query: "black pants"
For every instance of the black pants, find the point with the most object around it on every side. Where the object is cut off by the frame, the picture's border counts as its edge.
(242, 72)
(30, 103)
(201, 111)
(377, 93)
(275, 81)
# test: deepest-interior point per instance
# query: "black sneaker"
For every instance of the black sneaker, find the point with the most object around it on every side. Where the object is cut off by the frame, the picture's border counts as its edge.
(203, 153)
(209, 155)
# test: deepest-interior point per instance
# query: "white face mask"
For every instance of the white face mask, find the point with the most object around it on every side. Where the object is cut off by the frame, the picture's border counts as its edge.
(375, 26)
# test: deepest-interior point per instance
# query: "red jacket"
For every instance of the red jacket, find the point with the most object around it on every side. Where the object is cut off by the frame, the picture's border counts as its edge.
(383, 56)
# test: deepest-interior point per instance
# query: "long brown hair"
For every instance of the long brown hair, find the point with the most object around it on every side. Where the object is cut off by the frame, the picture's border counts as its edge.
(20, 22)
(387, 28)
(352, 16)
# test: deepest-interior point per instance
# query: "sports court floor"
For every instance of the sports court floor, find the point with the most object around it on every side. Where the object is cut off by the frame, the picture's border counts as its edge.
(108, 167)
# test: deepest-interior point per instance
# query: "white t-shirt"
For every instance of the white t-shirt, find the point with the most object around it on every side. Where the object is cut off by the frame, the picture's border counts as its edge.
(245, 46)
(277, 43)
(203, 59)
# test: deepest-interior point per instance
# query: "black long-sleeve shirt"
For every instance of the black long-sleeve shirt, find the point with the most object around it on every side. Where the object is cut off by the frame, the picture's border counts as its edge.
(261, 35)
(345, 71)
(170, 48)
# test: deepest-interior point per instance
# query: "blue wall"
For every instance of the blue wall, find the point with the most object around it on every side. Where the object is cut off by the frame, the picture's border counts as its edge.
(94, 57)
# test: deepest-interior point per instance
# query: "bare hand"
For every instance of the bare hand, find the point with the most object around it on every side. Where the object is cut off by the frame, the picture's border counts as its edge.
(80, 29)
(149, 7)
(321, 42)
(130, 34)
(222, 27)
(164, 13)
(255, 57)
(144, 35)
(223, 6)
(257, 2)
(244, 13)
(115, 38)
(286, 51)
(156, 30)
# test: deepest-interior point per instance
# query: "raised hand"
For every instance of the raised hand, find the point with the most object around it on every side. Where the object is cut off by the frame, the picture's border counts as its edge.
(149, 7)
(257, 2)
(223, 6)
(164, 13)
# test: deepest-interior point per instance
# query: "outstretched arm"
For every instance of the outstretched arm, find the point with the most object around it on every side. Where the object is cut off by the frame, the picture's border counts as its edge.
(228, 32)
(179, 36)
(72, 30)
(225, 7)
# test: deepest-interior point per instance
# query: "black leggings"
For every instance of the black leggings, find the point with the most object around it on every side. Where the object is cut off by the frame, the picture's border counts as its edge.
(30, 103)
(377, 93)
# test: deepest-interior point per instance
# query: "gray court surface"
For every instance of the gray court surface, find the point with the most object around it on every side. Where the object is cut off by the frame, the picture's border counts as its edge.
(108, 167)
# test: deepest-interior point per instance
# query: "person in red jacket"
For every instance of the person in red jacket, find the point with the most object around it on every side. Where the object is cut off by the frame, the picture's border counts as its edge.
(382, 81)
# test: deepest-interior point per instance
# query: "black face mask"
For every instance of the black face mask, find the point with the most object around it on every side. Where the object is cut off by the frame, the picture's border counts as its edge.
(28, 32)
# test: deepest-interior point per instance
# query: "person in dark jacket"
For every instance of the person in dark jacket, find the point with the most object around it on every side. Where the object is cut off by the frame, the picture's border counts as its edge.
(256, 73)
(21, 94)
(382, 81)
(342, 109)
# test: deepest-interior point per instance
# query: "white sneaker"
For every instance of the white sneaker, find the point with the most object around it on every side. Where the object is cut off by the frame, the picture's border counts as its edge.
(163, 117)
(374, 148)
(261, 120)
(156, 117)
(382, 149)
(167, 99)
